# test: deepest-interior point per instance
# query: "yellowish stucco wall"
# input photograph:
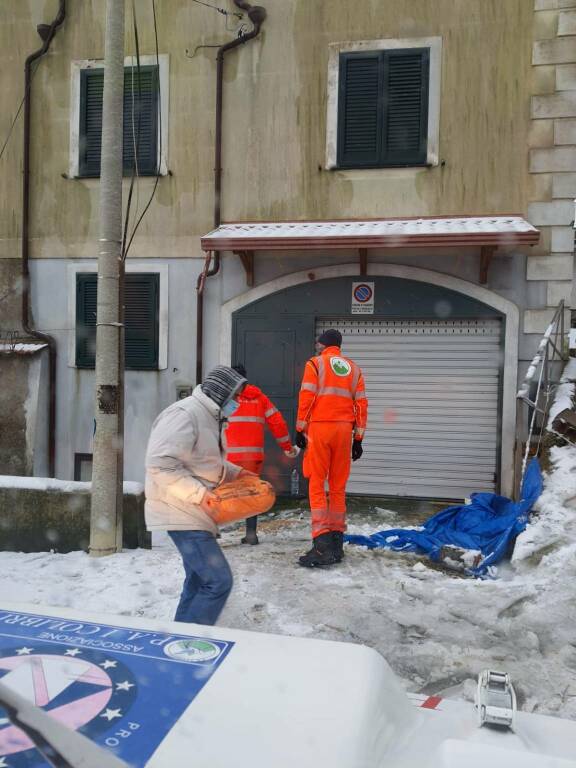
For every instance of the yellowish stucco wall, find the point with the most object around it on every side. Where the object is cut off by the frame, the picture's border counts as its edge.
(275, 118)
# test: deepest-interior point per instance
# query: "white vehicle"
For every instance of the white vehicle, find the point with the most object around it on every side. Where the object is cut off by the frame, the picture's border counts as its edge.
(495, 699)
(168, 695)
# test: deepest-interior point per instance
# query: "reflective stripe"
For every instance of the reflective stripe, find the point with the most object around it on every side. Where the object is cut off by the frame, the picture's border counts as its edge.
(251, 419)
(359, 431)
(321, 372)
(360, 396)
(270, 412)
(300, 425)
(355, 377)
(250, 449)
(335, 391)
(309, 387)
(283, 438)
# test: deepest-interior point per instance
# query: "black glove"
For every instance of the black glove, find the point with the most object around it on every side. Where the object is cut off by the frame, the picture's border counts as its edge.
(301, 440)
(357, 450)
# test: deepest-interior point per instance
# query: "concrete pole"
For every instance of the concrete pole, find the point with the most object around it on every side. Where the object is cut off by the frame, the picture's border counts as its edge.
(107, 468)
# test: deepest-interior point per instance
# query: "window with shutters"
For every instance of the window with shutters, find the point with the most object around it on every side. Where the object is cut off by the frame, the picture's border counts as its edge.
(145, 116)
(383, 108)
(141, 320)
(140, 120)
(383, 103)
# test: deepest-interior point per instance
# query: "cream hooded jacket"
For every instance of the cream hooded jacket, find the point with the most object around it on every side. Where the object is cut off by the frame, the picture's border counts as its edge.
(183, 459)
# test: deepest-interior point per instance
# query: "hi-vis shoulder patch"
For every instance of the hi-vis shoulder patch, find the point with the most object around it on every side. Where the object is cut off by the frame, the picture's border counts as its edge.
(340, 366)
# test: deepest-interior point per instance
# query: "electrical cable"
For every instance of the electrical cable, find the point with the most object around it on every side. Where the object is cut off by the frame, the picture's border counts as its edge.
(12, 126)
(17, 114)
(135, 134)
(223, 11)
(159, 159)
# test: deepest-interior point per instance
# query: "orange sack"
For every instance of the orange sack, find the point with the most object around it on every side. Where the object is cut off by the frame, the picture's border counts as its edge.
(242, 498)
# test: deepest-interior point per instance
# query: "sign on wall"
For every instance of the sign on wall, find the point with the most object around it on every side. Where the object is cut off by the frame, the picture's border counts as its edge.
(362, 298)
(122, 688)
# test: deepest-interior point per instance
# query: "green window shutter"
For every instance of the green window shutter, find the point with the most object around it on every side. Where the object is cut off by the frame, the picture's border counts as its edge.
(383, 108)
(85, 320)
(141, 105)
(91, 99)
(360, 110)
(406, 106)
(141, 311)
(141, 119)
(141, 319)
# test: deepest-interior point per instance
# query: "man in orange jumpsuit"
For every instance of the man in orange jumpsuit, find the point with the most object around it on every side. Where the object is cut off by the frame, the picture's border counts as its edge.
(332, 413)
(245, 436)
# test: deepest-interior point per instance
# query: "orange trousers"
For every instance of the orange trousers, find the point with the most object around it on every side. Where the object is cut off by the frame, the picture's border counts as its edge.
(251, 466)
(328, 457)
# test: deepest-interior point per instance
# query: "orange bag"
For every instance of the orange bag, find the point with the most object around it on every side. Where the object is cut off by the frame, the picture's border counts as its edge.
(245, 497)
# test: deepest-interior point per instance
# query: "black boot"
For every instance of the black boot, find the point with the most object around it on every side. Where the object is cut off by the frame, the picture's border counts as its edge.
(321, 554)
(251, 536)
(338, 545)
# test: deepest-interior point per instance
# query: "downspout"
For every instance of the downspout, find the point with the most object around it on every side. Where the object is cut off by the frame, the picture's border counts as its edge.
(257, 16)
(47, 33)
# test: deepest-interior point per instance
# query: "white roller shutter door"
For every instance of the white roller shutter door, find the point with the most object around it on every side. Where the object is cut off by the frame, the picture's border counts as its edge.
(433, 390)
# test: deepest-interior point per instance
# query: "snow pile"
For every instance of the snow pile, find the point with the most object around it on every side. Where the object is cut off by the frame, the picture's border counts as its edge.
(553, 525)
(437, 630)
(565, 393)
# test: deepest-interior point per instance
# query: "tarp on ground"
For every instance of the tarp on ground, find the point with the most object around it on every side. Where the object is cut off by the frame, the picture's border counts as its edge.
(489, 525)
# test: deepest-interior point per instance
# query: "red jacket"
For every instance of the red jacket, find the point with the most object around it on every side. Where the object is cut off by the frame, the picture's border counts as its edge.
(245, 431)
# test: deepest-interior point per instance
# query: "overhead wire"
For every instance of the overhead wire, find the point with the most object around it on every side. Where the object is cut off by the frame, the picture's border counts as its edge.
(135, 132)
(17, 115)
(159, 154)
(223, 11)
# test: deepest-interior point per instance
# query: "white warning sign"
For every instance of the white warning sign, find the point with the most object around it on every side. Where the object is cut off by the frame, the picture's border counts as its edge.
(362, 298)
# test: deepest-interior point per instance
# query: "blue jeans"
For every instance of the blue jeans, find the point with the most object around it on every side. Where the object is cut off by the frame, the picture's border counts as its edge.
(208, 579)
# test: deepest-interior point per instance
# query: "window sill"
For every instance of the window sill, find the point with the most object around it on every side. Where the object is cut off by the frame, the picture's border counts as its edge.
(142, 370)
(125, 176)
(380, 167)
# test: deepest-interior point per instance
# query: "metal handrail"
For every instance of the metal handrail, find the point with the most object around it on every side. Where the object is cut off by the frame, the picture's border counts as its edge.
(550, 350)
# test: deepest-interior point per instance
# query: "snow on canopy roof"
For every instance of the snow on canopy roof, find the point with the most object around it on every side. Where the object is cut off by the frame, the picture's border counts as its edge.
(21, 348)
(369, 233)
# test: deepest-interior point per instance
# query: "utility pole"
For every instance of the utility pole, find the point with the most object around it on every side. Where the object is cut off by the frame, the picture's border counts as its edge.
(108, 452)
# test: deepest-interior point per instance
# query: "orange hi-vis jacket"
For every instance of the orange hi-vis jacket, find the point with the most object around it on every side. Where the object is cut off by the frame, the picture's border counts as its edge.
(245, 430)
(332, 390)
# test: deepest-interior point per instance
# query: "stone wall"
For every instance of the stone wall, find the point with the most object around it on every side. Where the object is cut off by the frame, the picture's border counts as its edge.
(553, 154)
(39, 515)
(23, 409)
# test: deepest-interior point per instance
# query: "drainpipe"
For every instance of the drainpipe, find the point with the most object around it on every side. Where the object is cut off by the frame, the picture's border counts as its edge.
(257, 16)
(47, 33)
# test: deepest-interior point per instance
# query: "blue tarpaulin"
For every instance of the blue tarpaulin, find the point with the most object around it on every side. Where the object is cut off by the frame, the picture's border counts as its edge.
(489, 524)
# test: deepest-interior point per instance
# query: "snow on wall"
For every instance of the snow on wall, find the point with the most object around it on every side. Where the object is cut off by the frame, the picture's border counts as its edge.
(65, 486)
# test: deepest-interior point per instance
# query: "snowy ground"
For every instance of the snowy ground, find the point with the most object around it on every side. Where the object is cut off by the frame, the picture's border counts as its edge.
(436, 629)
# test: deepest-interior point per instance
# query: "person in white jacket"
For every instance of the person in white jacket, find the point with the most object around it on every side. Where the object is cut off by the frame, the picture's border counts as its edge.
(185, 461)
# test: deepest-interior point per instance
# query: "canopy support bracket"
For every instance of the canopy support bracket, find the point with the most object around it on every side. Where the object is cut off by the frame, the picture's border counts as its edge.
(486, 254)
(247, 259)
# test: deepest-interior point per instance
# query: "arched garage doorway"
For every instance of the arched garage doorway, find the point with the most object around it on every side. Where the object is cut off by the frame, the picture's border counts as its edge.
(440, 357)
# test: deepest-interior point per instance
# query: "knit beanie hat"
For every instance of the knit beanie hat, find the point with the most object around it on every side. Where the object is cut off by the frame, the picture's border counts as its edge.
(330, 338)
(240, 369)
(221, 384)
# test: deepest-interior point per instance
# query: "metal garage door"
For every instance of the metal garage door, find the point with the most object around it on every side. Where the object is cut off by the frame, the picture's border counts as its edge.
(433, 390)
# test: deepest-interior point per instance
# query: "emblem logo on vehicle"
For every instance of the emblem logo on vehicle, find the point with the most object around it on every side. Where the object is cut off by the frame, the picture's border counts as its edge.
(82, 689)
(192, 650)
(340, 366)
